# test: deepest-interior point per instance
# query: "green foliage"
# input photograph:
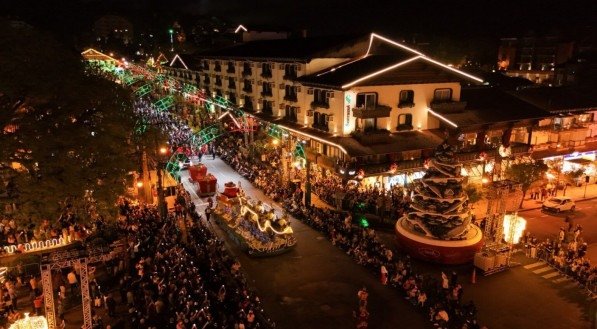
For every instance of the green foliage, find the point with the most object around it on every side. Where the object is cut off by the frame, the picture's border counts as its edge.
(73, 129)
(474, 193)
(527, 173)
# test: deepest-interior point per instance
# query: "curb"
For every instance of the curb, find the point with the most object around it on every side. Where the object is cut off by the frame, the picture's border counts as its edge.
(539, 207)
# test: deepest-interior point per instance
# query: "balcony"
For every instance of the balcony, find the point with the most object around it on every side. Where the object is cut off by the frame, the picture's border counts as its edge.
(247, 72)
(323, 127)
(406, 105)
(379, 111)
(248, 89)
(319, 104)
(290, 97)
(267, 93)
(445, 107)
(289, 76)
(266, 74)
(290, 118)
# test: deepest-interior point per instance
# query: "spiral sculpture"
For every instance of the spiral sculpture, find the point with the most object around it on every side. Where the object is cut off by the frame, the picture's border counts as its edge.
(439, 207)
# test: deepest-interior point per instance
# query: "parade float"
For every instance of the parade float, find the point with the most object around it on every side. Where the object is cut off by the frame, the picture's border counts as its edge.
(206, 183)
(254, 226)
(437, 227)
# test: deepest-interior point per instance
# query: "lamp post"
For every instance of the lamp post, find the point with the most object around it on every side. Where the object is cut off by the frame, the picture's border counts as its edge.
(161, 204)
(171, 31)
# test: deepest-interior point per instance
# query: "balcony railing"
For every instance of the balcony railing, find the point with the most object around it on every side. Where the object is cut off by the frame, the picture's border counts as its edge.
(378, 111)
(323, 105)
(323, 127)
(447, 106)
(266, 74)
(266, 93)
(289, 76)
(247, 72)
(406, 105)
(248, 89)
(291, 118)
(290, 97)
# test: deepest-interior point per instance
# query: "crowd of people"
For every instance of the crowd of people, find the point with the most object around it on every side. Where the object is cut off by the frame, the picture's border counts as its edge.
(441, 301)
(567, 253)
(183, 285)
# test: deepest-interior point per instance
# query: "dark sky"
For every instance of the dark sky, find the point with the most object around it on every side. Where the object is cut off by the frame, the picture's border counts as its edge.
(458, 18)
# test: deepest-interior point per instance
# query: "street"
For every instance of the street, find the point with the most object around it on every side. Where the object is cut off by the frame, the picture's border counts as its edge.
(315, 285)
(545, 225)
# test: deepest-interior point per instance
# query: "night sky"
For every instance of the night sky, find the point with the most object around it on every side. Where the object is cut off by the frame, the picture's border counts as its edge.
(460, 18)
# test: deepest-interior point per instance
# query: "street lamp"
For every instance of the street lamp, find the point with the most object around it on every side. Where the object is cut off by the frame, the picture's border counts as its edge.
(161, 205)
(171, 31)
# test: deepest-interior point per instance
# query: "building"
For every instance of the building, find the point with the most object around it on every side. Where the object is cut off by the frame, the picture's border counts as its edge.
(534, 58)
(369, 108)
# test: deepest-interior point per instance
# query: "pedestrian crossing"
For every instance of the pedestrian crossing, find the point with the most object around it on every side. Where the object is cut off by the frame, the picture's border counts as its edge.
(549, 273)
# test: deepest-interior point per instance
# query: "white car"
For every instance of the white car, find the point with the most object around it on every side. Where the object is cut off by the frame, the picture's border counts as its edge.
(559, 204)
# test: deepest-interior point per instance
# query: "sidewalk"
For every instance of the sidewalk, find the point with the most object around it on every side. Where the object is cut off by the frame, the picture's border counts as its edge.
(576, 193)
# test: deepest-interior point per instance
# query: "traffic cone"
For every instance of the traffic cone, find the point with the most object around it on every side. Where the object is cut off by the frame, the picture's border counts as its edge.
(474, 276)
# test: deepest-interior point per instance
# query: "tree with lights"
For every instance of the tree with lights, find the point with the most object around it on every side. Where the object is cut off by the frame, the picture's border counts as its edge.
(66, 139)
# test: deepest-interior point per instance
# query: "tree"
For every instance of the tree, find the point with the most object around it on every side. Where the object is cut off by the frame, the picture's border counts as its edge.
(526, 173)
(70, 131)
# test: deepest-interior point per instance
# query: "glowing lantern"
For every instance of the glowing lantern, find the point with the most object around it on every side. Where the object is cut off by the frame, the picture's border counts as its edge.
(513, 228)
(37, 322)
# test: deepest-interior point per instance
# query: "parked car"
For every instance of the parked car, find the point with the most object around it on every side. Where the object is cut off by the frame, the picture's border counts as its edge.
(559, 204)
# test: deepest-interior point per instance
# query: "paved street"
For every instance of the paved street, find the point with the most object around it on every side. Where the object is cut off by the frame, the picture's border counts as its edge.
(547, 225)
(314, 285)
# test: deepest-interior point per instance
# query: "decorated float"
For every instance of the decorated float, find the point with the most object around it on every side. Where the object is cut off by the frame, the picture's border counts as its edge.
(438, 227)
(254, 226)
(206, 183)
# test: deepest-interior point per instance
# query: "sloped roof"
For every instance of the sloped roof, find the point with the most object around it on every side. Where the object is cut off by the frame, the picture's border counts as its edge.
(303, 49)
(382, 70)
(490, 105)
(184, 61)
(560, 99)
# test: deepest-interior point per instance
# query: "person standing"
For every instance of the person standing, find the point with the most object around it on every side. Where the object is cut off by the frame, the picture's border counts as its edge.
(207, 214)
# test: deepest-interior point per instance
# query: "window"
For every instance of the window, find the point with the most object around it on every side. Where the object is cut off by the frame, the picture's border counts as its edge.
(217, 67)
(267, 107)
(320, 121)
(247, 86)
(230, 67)
(218, 81)
(232, 98)
(205, 65)
(406, 99)
(367, 101)
(405, 122)
(442, 95)
(247, 69)
(266, 70)
(248, 103)
(320, 98)
(289, 71)
(291, 113)
(290, 94)
(231, 83)
(267, 89)
(206, 79)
